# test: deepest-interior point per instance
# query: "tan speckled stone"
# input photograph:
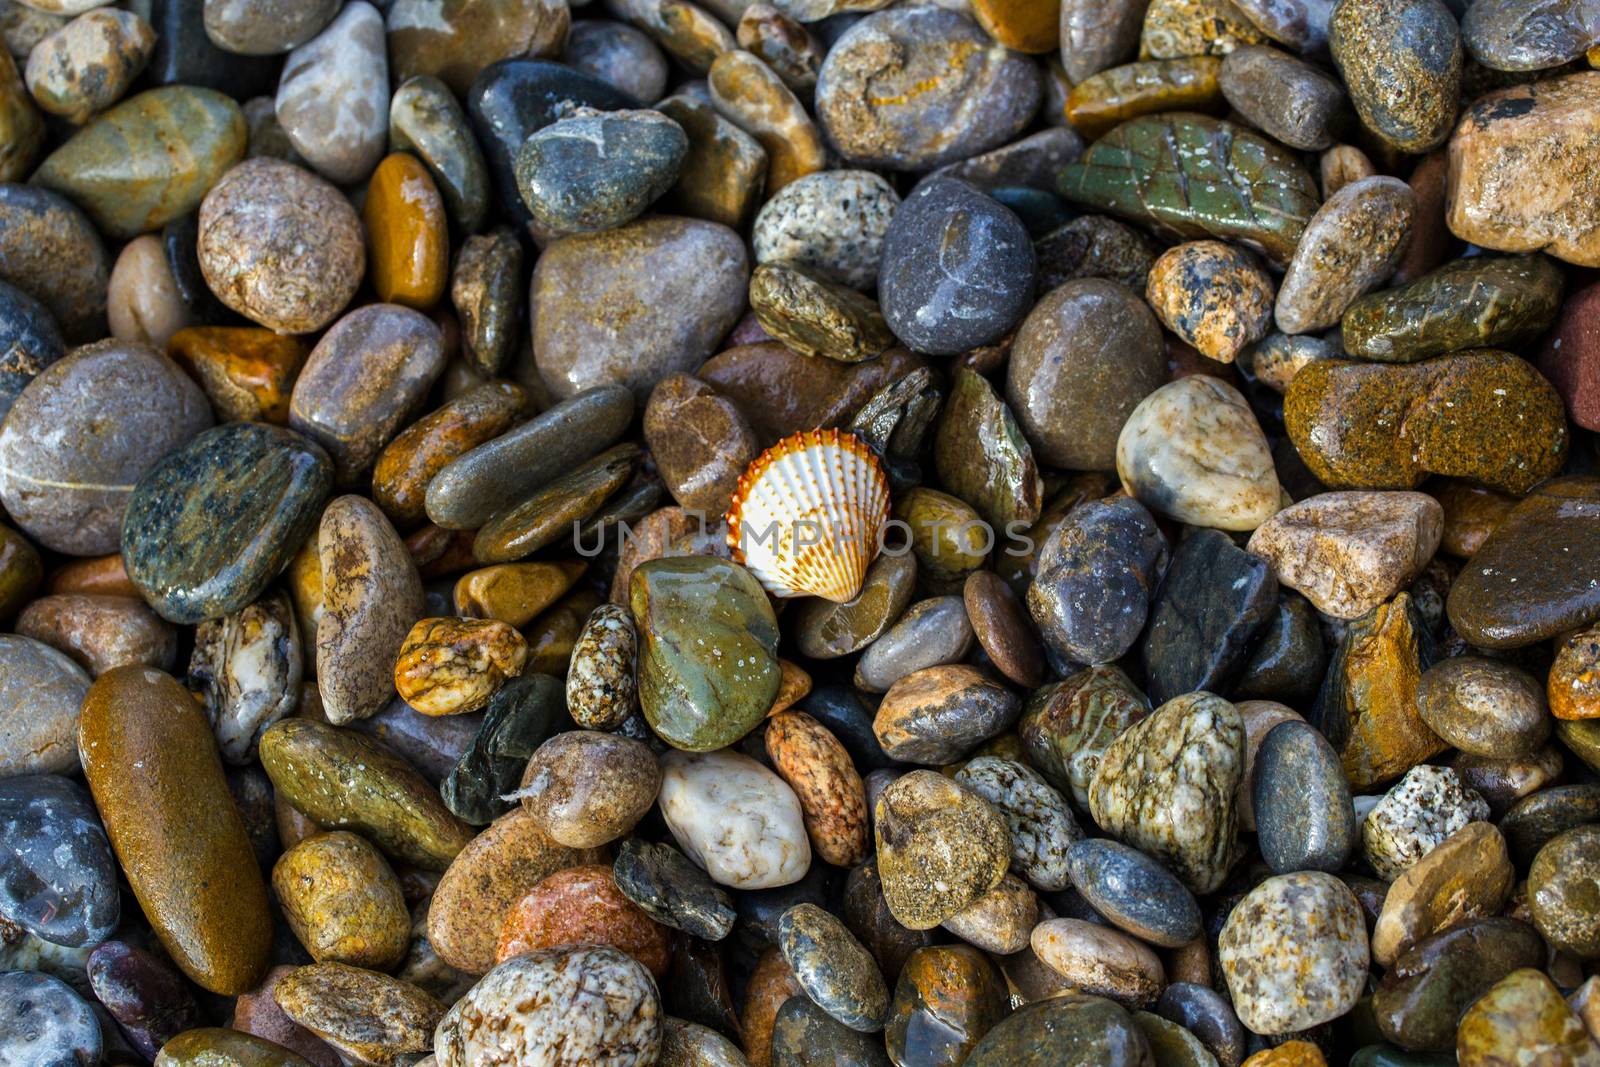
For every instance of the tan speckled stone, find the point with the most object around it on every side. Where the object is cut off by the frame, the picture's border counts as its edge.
(343, 902)
(1467, 876)
(940, 848)
(1100, 961)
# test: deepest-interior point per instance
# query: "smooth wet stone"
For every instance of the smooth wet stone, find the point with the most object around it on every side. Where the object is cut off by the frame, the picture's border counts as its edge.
(833, 968)
(1166, 785)
(1570, 356)
(46, 1024)
(1099, 103)
(143, 993)
(1042, 827)
(148, 160)
(100, 632)
(589, 788)
(29, 342)
(672, 890)
(407, 465)
(367, 1016)
(1513, 37)
(85, 67)
(601, 691)
(58, 878)
(1278, 358)
(343, 780)
(782, 392)
(486, 290)
(804, 1035)
(280, 246)
(257, 1017)
(1468, 876)
(748, 93)
(218, 1047)
(984, 458)
(50, 251)
(1574, 679)
(1212, 601)
(826, 630)
(216, 521)
(1401, 64)
(832, 797)
(1294, 952)
(1213, 296)
(1351, 245)
(1074, 1030)
(1066, 726)
(1000, 920)
(833, 222)
(333, 96)
(343, 901)
(1535, 819)
(40, 693)
(407, 234)
(1420, 999)
(722, 177)
(618, 54)
(582, 905)
(1084, 357)
(473, 488)
(150, 760)
(937, 714)
(700, 442)
(1239, 185)
(1557, 122)
(957, 268)
(1480, 302)
(1134, 892)
(427, 120)
(1367, 706)
(593, 171)
(143, 302)
(21, 569)
(1289, 658)
(1192, 450)
(1522, 1017)
(1560, 892)
(454, 42)
(1349, 552)
(1484, 707)
(737, 820)
(1194, 27)
(1301, 802)
(815, 316)
(947, 998)
(1096, 35)
(948, 538)
(1100, 961)
(793, 52)
(940, 848)
(266, 29)
(963, 93)
(677, 284)
(22, 128)
(371, 597)
(932, 632)
(1201, 1011)
(1292, 100)
(1483, 415)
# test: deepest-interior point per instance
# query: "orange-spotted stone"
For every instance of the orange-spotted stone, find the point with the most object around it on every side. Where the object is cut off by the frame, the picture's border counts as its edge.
(247, 372)
(1574, 684)
(794, 684)
(151, 762)
(583, 906)
(408, 237)
(833, 801)
(409, 462)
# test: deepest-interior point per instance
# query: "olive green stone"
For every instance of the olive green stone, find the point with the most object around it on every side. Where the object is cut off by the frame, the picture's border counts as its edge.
(551, 513)
(1066, 726)
(983, 457)
(1482, 302)
(218, 1047)
(344, 780)
(815, 316)
(148, 160)
(1582, 737)
(708, 643)
(1190, 176)
(1066, 1031)
(1423, 995)
(426, 120)
(826, 630)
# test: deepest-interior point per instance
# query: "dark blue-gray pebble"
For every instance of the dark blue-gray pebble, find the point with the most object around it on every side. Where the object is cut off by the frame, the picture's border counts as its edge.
(803, 1035)
(58, 879)
(591, 172)
(1134, 891)
(667, 885)
(1304, 817)
(43, 1023)
(1202, 1011)
(29, 342)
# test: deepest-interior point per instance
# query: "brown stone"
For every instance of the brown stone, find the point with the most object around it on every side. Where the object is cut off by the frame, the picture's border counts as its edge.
(583, 906)
(151, 762)
(453, 666)
(700, 442)
(342, 901)
(514, 593)
(1574, 684)
(725, 171)
(1102, 101)
(1468, 876)
(553, 634)
(771, 983)
(408, 463)
(1523, 1020)
(142, 299)
(1021, 25)
(100, 631)
(833, 801)
(1471, 514)
(99, 574)
(749, 94)
(1570, 356)
(246, 371)
(454, 40)
(257, 1013)
(408, 237)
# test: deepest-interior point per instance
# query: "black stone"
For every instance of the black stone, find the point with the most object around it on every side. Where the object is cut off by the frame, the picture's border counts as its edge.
(521, 716)
(1304, 816)
(867, 915)
(1134, 891)
(180, 242)
(57, 876)
(29, 342)
(957, 271)
(1214, 599)
(760, 909)
(1202, 1011)
(1289, 657)
(841, 710)
(1040, 212)
(1534, 820)
(803, 1035)
(672, 890)
(1074, 1030)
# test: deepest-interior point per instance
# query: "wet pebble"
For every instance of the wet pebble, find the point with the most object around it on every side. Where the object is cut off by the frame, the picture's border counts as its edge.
(58, 879)
(1420, 813)
(1213, 296)
(1301, 802)
(739, 821)
(940, 848)
(46, 1023)
(672, 890)
(937, 714)
(1134, 892)
(583, 905)
(1351, 245)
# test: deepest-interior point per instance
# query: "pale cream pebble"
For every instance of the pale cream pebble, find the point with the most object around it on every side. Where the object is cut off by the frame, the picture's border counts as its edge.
(737, 820)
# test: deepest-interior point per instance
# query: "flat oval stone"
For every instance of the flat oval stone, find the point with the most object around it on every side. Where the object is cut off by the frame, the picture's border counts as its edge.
(343, 780)
(1484, 707)
(737, 820)
(1512, 37)
(1351, 246)
(1135, 892)
(1202, 1011)
(333, 95)
(1101, 101)
(280, 245)
(830, 791)
(246, 371)
(1466, 877)
(1292, 100)
(1534, 820)
(30, 339)
(1294, 952)
(931, 632)
(100, 632)
(1000, 920)
(832, 222)
(1166, 786)
(486, 290)
(677, 285)
(593, 171)
(151, 761)
(454, 42)
(214, 522)
(1420, 999)
(1523, 1016)
(40, 693)
(1096, 35)
(582, 905)
(1482, 415)
(1066, 726)
(427, 120)
(1213, 296)
(618, 54)
(1100, 961)
(342, 901)
(52, 253)
(45, 1023)
(83, 432)
(816, 316)
(206, 1046)
(1304, 817)
(407, 464)
(143, 301)
(365, 1015)
(672, 890)
(940, 848)
(983, 284)
(265, 29)
(1073, 1030)
(938, 714)
(601, 691)
(87, 65)
(1481, 302)
(1066, 390)
(951, 93)
(1401, 63)
(407, 233)
(833, 968)
(1192, 450)
(1041, 824)
(700, 442)
(1516, 593)
(708, 667)
(557, 509)
(948, 537)
(148, 160)
(58, 878)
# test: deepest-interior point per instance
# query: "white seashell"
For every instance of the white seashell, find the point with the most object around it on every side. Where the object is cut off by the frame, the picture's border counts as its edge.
(808, 516)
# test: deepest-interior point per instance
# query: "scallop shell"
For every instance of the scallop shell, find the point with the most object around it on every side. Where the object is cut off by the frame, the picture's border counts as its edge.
(808, 516)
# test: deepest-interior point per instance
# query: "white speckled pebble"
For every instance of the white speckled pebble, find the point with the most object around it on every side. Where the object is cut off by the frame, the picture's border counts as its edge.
(833, 221)
(733, 817)
(1415, 817)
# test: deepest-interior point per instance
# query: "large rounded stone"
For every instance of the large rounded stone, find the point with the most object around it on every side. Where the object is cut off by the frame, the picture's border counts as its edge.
(50, 251)
(1401, 60)
(736, 819)
(333, 96)
(940, 848)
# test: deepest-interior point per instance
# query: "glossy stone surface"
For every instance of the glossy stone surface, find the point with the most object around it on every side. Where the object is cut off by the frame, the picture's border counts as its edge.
(454, 42)
(1420, 999)
(1351, 245)
(58, 880)
(1522, 1016)
(519, 717)
(40, 693)
(53, 254)
(1303, 812)
(833, 222)
(937, 714)
(1099, 961)
(833, 968)
(1466, 877)
(948, 997)
(831, 795)
(1134, 892)
(100, 632)
(582, 905)
(592, 171)
(364, 1015)
(333, 95)
(1067, 726)
(87, 65)
(1101, 101)
(1213, 296)
(46, 1023)
(672, 890)
(342, 901)
(737, 820)
(1402, 65)
(30, 339)
(1074, 1030)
